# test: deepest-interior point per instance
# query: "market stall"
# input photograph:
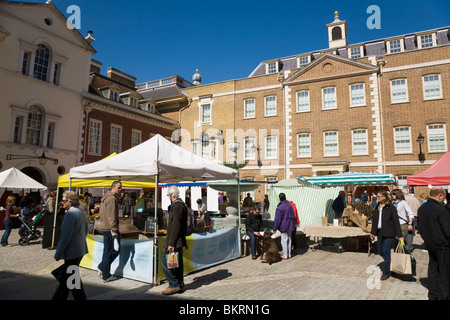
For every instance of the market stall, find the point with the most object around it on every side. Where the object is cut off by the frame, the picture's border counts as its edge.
(438, 174)
(158, 160)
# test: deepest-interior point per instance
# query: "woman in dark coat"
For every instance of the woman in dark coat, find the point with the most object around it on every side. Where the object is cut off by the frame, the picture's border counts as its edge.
(385, 226)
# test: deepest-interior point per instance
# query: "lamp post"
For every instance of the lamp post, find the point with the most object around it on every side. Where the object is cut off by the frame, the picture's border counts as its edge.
(234, 147)
(420, 140)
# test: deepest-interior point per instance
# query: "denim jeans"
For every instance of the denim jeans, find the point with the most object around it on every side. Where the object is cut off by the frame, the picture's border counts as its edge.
(174, 275)
(252, 242)
(384, 249)
(8, 225)
(109, 254)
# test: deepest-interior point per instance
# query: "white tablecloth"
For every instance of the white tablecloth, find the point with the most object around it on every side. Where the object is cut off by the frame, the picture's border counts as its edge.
(317, 230)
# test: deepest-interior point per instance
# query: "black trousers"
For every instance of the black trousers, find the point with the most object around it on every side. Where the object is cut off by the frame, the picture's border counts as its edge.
(62, 292)
(439, 274)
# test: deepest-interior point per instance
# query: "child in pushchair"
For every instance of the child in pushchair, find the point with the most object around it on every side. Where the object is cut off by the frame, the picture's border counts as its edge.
(28, 231)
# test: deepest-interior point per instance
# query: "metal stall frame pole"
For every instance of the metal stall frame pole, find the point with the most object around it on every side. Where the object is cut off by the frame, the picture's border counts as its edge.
(155, 236)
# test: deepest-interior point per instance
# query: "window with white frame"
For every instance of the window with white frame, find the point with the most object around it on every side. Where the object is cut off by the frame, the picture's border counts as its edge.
(136, 137)
(357, 95)
(272, 67)
(355, 53)
(116, 139)
(95, 131)
(26, 62)
(35, 122)
(402, 140)
(270, 106)
(56, 73)
(402, 181)
(331, 147)
(268, 185)
(249, 154)
(436, 137)
(206, 113)
(18, 125)
(195, 147)
(50, 134)
(303, 61)
(41, 62)
(329, 98)
(303, 101)
(249, 108)
(399, 91)
(304, 145)
(426, 41)
(395, 46)
(432, 87)
(271, 151)
(360, 142)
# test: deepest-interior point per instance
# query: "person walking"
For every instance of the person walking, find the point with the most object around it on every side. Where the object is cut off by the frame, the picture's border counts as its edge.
(285, 223)
(109, 226)
(9, 214)
(127, 204)
(435, 231)
(71, 247)
(175, 241)
(404, 212)
(385, 226)
(253, 226)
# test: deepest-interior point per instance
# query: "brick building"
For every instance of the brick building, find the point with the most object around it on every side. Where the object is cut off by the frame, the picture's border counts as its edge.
(117, 116)
(358, 107)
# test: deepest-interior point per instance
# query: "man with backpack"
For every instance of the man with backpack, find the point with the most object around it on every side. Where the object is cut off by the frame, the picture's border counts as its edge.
(177, 227)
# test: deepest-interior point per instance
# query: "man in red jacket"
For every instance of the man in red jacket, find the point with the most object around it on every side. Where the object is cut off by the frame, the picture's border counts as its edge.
(297, 222)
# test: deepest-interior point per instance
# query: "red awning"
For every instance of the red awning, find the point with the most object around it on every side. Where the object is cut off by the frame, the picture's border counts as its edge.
(437, 174)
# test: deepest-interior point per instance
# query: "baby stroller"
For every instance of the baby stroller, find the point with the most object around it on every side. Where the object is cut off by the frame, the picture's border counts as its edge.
(28, 231)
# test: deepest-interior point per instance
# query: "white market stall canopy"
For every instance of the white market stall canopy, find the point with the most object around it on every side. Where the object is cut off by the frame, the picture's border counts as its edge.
(156, 156)
(16, 179)
(353, 178)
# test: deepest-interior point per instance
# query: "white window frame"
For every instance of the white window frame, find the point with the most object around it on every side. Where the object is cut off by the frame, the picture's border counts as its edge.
(270, 67)
(355, 55)
(424, 87)
(430, 135)
(365, 140)
(204, 118)
(401, 46)
(308, 137)
(265, 106)
(396, 149)
(325, 154)
(421, 43)
(245, 108)
(249, 154)
(363, 103)
(98, 142)
(301, 63)
(112, 145)
(307, 108)
(266, 151)
(406, 98)
(136, 137)
(323, 99)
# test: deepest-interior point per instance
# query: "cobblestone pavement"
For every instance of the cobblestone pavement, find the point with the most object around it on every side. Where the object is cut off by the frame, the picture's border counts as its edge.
(322, 274)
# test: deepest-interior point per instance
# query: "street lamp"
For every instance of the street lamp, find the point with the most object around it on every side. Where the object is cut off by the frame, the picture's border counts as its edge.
(420, 140)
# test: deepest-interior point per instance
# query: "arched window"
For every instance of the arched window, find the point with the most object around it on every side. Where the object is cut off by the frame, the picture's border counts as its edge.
(35, 122)
(41, 63)
(336, 33)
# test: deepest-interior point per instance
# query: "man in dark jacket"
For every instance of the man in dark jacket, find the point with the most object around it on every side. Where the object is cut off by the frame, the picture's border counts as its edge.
(175, 241)
(435, 231)
(339, 205)
(253, 225)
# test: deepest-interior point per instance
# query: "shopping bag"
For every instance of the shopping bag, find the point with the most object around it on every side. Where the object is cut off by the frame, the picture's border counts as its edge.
(413, 261)
(172, 260)
(400, 260)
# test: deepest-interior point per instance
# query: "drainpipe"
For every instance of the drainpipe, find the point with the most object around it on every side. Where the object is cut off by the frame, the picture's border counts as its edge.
(381, 63)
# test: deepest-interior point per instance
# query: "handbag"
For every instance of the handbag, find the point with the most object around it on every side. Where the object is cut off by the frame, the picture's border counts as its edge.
(402, 261)
(59, 273)
(172, 260)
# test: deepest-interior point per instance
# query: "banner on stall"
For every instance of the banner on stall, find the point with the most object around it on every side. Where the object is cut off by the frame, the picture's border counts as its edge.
(135, 260)
(206, 249)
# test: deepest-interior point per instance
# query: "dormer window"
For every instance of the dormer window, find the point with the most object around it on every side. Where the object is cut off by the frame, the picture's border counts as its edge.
(427, 41)
(273, 67)
(355, 52)
(113, 95)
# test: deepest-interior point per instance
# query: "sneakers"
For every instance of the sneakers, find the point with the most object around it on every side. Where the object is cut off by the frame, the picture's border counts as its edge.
(169, 290)
(112, 278)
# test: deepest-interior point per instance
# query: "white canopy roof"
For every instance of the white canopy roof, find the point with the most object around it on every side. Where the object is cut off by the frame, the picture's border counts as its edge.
(154, 156)
(16, 179)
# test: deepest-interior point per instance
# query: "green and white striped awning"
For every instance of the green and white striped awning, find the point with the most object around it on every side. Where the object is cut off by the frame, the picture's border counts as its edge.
(353, 178)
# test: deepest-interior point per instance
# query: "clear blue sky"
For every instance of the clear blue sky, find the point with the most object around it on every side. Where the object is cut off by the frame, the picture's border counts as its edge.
(227, 39)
